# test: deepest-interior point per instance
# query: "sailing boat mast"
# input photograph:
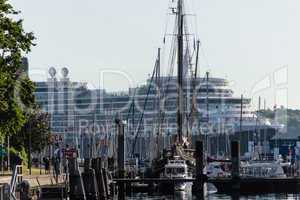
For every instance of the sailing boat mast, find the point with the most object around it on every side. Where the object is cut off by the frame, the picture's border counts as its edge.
(158, 85)
(241, 117)
(157, 77)
(180, 71)
(194, 97)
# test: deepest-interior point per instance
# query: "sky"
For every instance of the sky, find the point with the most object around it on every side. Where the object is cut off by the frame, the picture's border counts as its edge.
(255, 44)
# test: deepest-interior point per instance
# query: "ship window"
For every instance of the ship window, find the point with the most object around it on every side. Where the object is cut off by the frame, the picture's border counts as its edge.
(169, 171)
(180, 170)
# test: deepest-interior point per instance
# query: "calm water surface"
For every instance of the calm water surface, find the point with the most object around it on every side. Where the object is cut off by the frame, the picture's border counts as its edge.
(187, 196)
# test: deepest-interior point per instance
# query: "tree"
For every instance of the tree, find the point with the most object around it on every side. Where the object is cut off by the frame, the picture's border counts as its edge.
(16, 89)
(35, 131)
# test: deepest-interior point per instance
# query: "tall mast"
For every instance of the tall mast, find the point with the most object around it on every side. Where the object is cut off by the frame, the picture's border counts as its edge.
(241, 116)
(207, 103)
(180, 71)
(207, 113)
(194, 97)
(158, 86)
(157, 77)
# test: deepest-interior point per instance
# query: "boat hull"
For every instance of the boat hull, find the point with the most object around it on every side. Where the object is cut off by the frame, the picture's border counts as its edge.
(170, 188)
(256, 185)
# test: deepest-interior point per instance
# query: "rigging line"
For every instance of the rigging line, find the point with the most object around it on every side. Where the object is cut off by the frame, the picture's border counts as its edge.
(194, 79)
(127, 142)
(195, 20)
(171, 66)
(203, 52)
(167, 23)
(173, 46)
(189, 67)
(172, 54)
(144, 108)
(204, 55)
(186, 29)
(194, 24)
(171, 62)
(131, 105)
(170, 74)
(129, 112)
(172, 50)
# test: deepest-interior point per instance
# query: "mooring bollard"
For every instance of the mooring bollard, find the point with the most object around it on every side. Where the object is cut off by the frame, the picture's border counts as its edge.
(235, 159)
(198, 185)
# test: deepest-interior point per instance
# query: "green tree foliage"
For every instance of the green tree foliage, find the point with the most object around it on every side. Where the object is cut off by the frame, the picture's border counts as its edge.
(16, 90)
(36, 130)
(20, 117)
(288, 117)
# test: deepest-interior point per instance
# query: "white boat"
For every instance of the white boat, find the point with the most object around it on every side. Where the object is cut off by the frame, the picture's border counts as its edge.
(177, 168)
(214, 170)
(262, 169)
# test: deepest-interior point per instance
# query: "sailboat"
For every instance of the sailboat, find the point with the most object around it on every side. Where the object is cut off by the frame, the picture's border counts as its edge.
(177, 161)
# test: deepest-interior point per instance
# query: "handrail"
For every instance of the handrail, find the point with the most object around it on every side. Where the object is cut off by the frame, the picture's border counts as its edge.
(14, 179)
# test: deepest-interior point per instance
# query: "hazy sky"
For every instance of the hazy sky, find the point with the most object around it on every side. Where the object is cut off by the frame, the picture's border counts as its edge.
(246, 41)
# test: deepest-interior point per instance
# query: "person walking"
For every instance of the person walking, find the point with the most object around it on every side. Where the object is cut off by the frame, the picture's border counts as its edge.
(19, 160)
(47, 165)
(56, 162)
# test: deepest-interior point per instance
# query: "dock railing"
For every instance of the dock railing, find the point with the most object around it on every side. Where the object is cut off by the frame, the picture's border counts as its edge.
(16, 178)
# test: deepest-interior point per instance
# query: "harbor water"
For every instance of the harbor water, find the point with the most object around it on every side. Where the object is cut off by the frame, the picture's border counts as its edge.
(188, 196)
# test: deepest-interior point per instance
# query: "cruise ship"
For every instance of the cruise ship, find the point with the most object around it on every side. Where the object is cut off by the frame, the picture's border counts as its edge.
(79, 113)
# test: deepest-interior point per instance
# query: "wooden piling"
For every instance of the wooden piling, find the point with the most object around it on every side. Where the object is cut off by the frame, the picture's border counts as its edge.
(121, 157)
(105, 179)
(96, 165)
(235, 158)
(77, 191)
(87, 163)
(90, 181)
(198, 185)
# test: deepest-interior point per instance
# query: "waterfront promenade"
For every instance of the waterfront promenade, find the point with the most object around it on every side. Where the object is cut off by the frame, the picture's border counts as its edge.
(35, 179)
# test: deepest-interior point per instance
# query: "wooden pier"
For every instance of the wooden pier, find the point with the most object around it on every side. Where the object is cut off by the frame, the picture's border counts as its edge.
(93, 184)
(228, 185)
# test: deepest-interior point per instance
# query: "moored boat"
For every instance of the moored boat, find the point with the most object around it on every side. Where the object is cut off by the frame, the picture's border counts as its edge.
(177, 169)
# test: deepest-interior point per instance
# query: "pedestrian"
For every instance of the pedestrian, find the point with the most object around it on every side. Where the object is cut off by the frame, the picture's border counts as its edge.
(16, 160)
(65, 157)
(46, 164)
(19, 159)
(57, 159)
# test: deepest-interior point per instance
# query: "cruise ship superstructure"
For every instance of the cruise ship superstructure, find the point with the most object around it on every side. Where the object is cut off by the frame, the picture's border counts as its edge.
(75, 110)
